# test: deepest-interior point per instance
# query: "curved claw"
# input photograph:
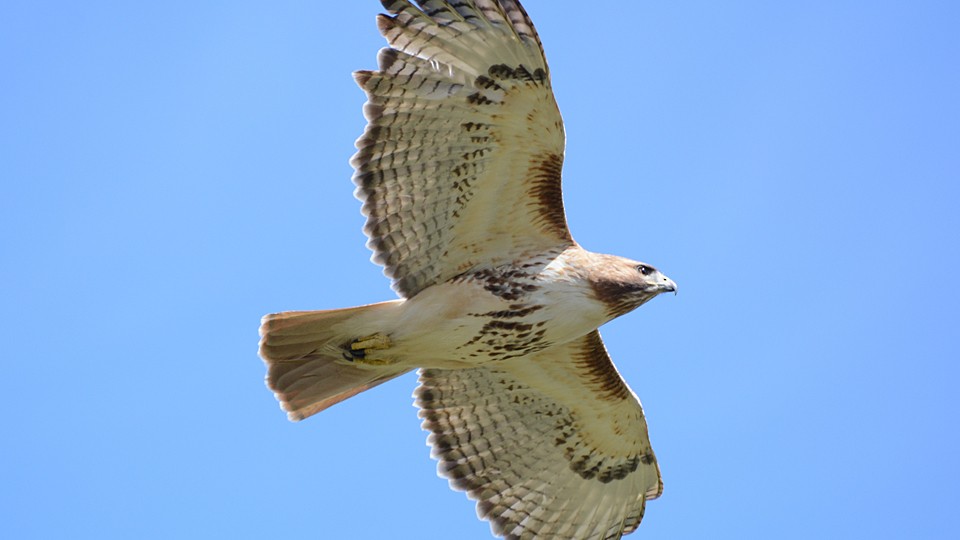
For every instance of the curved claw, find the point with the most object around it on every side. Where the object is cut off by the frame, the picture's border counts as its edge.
(359, 348)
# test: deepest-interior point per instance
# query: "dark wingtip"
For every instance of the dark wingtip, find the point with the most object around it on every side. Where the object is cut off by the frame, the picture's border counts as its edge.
(362, 77)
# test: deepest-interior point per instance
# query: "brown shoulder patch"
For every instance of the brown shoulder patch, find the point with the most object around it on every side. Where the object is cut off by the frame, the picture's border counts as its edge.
(595, 364)
(543, 178)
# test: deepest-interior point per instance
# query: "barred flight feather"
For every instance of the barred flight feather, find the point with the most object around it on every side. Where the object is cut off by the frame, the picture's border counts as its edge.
(539, 452)
(459, 166)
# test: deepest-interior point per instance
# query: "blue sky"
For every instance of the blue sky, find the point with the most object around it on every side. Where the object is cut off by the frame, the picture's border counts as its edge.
(171, 172)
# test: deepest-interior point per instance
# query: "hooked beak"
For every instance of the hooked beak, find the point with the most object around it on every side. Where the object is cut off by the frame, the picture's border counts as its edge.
(667, 285)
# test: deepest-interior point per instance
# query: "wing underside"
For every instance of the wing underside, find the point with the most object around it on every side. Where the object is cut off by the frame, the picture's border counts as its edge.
(553, 446)
(459, 165)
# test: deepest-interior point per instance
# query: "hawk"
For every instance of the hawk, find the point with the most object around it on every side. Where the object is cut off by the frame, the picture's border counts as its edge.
(459, 174)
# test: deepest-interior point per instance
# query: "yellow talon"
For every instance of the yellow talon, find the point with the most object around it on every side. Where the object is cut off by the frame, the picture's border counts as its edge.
(376, 342)
(362, 351)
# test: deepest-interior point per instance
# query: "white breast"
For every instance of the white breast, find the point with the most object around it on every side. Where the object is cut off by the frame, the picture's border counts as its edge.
(461, 323)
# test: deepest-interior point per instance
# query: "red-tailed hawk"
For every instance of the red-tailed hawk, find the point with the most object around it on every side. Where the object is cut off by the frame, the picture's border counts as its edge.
(459, 174)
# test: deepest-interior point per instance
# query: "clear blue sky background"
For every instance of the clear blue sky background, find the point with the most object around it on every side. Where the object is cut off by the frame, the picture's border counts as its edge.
(172, 171)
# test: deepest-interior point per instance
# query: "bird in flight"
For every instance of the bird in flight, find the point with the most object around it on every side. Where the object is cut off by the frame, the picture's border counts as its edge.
(459, 173)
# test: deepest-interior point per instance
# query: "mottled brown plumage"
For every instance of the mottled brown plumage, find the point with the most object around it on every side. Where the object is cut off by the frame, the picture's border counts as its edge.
(459, 173)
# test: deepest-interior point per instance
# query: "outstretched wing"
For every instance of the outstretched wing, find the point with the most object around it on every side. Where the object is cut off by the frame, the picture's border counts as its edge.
(459, 166)
(550, 446)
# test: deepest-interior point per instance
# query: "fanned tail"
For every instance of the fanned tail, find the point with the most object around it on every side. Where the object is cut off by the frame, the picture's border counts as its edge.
(304, 352)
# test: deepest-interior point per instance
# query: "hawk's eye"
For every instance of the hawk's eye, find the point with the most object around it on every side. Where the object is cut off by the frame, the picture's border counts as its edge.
(645, 270)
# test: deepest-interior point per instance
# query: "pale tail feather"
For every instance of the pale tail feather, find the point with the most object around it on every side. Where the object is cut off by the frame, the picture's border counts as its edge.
(304, 353)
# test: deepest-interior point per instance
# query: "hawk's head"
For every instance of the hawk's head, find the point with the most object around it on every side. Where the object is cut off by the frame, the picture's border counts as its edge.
(624, 285)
